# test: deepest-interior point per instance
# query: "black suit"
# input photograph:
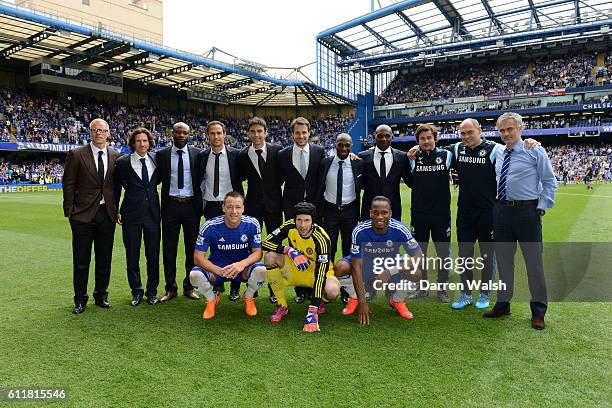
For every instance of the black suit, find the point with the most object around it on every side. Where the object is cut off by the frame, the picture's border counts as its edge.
(264, 196)
(140, 218)
(213, 208)
(177, 213)
(342, 219)
(297, 188)
(373, 185)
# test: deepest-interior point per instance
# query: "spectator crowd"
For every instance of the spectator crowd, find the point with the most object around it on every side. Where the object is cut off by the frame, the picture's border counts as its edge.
(26, 117)
(498, 78)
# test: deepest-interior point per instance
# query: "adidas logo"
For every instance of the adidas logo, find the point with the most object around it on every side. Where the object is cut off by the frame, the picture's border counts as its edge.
(222, 239)
(369, 244)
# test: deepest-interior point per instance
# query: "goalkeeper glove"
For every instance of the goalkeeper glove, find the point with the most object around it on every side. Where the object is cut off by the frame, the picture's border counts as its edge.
(299, 259)
(311, 324)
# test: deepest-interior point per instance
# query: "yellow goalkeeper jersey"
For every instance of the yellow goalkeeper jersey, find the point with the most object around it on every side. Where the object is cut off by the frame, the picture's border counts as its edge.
(316, 247)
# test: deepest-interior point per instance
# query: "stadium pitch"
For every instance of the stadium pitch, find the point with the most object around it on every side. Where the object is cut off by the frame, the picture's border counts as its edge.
(166, 355)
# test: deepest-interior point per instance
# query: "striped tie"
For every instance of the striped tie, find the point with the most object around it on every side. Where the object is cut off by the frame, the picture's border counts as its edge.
(501, 189)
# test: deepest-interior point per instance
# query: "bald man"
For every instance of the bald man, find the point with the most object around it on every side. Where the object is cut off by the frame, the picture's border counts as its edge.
(338, 194)
(383, 170)
(89, 204)
(181, 206)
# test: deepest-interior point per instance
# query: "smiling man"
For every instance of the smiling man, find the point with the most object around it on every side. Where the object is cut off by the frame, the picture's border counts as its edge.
(430, 202)
(380, 237)
(526, 188)
(308, 256)
(339, 193)
(234, 241)
(384, 168)
(140, 215)
(89, 204)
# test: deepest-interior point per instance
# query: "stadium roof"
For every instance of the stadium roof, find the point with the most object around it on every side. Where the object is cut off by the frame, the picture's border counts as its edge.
(433, 27)
(29, 35)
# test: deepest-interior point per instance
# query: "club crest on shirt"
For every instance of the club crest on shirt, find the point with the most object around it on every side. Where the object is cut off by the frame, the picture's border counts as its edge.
(389, 243)
(482, 153)
(244, 238)
(438, 160)
(309, 251)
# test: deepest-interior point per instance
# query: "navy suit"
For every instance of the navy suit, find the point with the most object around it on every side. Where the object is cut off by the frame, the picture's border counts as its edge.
(140, 217)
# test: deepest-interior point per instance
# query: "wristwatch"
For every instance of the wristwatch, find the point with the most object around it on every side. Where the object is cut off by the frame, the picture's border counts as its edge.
(541, 212)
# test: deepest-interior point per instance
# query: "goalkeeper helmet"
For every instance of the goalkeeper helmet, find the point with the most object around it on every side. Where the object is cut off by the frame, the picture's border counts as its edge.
(305, 208)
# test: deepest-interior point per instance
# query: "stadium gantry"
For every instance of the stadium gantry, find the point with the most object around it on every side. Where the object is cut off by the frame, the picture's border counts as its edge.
(360, 58)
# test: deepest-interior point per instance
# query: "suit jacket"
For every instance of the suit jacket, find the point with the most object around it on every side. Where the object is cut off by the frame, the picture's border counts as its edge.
(232, 154)
(295, 185)
(138, 195)
(372, 185)
(162, 160)
(83, 190)
(265, 191)
(356, 167)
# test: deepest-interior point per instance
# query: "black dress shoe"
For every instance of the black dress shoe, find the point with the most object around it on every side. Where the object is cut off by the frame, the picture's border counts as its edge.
(78, 309)
(136, 299)
(497, 312)
(234, 294)
(537, 322)
(152, 300)
(169, 295)
(103, 304)
(190, 294)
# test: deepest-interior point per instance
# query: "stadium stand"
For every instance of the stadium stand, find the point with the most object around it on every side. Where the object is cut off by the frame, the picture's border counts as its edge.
(493, 79)
(30, 117)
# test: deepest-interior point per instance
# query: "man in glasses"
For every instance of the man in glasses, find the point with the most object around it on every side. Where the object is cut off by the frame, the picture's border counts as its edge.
(89, 204)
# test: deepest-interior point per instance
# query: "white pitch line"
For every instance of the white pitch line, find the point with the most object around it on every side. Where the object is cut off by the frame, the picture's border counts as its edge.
(588, 195)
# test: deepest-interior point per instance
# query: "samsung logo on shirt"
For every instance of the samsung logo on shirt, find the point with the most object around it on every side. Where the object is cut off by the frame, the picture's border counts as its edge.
(469, 159)
(439, 167)
(229, 247)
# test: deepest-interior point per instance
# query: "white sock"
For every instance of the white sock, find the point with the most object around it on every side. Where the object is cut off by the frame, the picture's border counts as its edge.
(256, 281)
(201, 284)
(347, 283)
(399, 295)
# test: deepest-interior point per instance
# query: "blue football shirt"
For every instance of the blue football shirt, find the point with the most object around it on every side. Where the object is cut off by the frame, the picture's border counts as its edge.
(229, 245)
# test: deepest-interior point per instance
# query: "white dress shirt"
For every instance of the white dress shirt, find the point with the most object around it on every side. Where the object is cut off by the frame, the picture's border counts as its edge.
(225, 181)
(187, 190)
(296, 157)
(348, 182)
(137, 164)
(104, 151)
(388, 159)
(254, 158)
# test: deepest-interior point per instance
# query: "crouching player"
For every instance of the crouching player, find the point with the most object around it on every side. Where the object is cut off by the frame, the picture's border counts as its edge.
(310, 265)
(380, 228)
(234, 241)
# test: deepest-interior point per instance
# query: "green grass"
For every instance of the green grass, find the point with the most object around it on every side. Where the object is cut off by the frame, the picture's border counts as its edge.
(167, 356)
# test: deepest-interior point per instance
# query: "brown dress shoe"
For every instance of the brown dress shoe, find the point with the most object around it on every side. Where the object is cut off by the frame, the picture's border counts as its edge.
(497, 312)
(537, 322)
(191, 295)
(168, 296)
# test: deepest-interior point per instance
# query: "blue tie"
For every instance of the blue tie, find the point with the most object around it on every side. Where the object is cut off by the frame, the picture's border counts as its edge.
(501, 188)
